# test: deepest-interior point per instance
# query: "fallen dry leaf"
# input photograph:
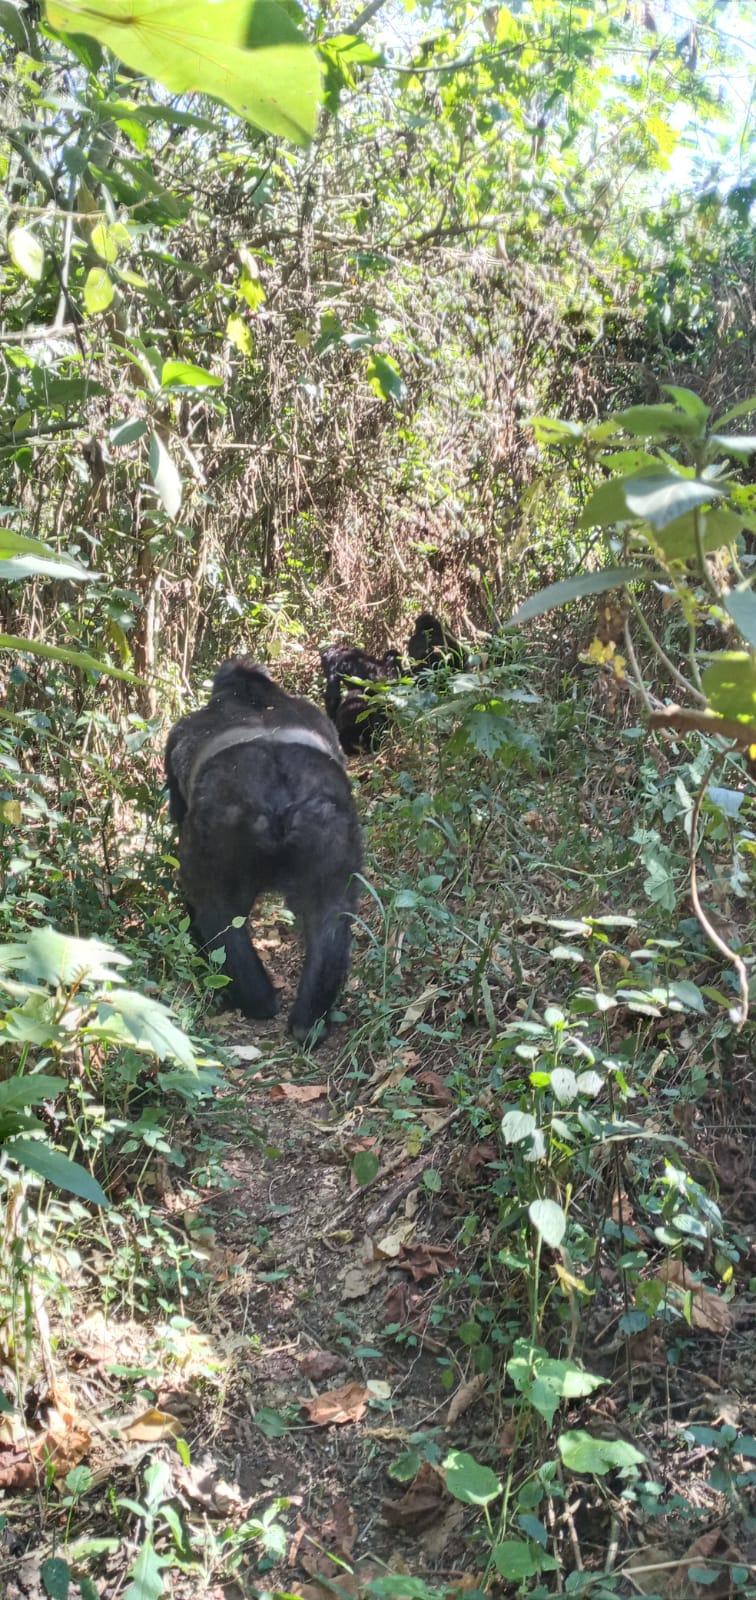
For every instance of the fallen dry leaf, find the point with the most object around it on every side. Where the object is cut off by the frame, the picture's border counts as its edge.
(465, 1397)
(707, 1309)
(426, 1260)
(302, 1093)
(416, 1008)
(391, 1243)
(346, 1404)
(358, 1281)
(152, 1425)
(320, 1364)
(440, 1534)
(422, 1503)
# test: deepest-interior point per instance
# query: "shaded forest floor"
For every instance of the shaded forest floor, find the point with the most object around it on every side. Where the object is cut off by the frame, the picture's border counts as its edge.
(315, 1307)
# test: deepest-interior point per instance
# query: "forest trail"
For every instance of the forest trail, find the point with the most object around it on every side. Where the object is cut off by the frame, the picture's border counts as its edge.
(330, 1312)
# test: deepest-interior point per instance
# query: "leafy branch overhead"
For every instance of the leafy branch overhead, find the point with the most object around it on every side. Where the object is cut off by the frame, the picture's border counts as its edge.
(246, 53)
(680, 504)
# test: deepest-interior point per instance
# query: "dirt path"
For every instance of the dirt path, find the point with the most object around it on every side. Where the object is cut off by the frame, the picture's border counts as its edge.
(330, 1302)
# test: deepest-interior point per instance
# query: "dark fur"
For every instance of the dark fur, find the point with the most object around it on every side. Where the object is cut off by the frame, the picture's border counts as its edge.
(266, 816)
(432, 645)
(358, 719)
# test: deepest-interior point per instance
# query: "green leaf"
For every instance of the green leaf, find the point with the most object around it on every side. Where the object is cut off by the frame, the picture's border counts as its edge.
(98, 291)
(554, 430)
(581, 1452)
(689, 402)
(185, 375)
(384, 378)
(517, 1559)
(664, 497)
(468, 1481)
(106, 241)
(365, 1167)
(26, 253)
(744, 409)
(734, 444)
(741, 606)
(656, 422)
(128, 432)
(607, 504)
(23, 558)
(62, 960)
(146, 1574)
(549, 1220)
(56, 1169)
(56, 1578)
(240, 335)
(247, 53)
(165, 477)
(70, 658)
(730, 685)
(16, 1093)
(719, 527)
(584, 583)
(149, 1024)
(517, 1126)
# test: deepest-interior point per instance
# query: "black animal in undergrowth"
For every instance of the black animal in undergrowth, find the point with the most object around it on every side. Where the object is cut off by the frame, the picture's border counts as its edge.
(257, 785)
(431, 645)
(358, 716)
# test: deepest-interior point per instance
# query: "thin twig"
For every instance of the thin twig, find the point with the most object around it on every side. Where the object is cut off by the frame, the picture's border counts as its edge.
(742, 733)
(711, 933)
(660, 653)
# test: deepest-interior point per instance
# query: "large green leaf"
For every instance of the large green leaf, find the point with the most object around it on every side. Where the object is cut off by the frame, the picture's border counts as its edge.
(70, 658)
(98, 291)
(469, 1481)
(26, 253)
(741, 606)
(149, 1025)
(718, 527)
(549, 1220)
(584, 583)
(56, 1169)
(656, 422)
(662, 498)
(581, 1452)
(730, 685)
(185, 375)
(247, 53)
(744, 409)
(689, 402)
(17, 1093)
(25, 558)
(61, 959)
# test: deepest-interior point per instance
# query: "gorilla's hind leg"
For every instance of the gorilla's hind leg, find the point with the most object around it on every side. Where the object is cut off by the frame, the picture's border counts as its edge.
(328, 938)
(250, 988)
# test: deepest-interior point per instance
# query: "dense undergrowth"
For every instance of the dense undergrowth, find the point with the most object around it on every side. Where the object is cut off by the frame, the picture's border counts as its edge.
(537, 1033)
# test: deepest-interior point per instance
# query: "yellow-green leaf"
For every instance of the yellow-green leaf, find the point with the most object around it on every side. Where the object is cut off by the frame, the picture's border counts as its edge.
(247, 53)
(238, 333)
(26, 253)
(729, 684)
(98, 291)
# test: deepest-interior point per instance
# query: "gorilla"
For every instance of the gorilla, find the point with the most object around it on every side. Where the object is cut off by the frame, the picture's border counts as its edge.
(257, 785)
(358, 720)
(431, 645)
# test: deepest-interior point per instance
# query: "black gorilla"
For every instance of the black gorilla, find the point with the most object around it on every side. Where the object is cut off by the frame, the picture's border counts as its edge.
(431, 645)
(358, 718)
(257, 785)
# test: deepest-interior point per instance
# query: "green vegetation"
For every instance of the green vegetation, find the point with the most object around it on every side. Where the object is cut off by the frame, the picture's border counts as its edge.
(312, 320)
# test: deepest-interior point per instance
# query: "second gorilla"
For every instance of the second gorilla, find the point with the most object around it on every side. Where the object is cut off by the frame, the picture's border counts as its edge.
(257, 785)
